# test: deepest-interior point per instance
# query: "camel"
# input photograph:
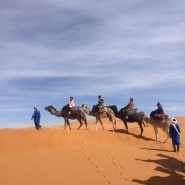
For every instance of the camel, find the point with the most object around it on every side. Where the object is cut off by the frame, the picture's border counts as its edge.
(163, 124)
(99, 115)
(75, 114)
(137, 117)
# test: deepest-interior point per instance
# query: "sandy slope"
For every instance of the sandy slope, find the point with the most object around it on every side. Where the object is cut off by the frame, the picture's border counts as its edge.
(54, 156)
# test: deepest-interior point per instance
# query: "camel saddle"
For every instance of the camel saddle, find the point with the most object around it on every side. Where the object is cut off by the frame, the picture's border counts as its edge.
(130, 112)
(160, 116)
(98, 108)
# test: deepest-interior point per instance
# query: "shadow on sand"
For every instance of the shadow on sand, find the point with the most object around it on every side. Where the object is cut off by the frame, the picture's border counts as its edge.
(132, 134)
(172, 167)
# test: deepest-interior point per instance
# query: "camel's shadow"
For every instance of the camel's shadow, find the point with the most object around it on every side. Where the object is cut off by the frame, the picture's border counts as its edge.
(122, 131)
(156, 149)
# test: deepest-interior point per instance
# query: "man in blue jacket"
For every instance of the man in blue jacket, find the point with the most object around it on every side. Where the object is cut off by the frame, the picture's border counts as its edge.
(36, 117)
(174, 132)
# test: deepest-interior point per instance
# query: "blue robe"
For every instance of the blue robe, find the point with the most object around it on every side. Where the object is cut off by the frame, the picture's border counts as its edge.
(36, 116)
(174, 134)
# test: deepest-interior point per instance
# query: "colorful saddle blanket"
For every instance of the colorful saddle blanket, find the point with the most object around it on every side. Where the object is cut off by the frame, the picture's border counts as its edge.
(160, 116)
(130, 112)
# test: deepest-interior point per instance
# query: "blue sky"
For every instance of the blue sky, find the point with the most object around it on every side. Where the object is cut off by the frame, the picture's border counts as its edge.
(53, 49)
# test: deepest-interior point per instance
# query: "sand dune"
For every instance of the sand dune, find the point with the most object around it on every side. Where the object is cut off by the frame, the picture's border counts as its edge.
(54, 156)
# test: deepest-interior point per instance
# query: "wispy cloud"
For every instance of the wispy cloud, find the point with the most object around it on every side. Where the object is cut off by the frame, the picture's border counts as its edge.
(53, 49)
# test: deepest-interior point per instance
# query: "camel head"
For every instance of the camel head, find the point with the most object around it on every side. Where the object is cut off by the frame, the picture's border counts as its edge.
(114, 108)
(143, 114)
(86, 108)
(50, 108)
(83, 105)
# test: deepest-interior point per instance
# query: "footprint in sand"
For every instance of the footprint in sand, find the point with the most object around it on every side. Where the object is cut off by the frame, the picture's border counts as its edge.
(113, 161)
(90, 161)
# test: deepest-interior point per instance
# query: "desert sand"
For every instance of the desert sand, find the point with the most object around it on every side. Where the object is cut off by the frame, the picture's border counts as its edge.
(54, 156)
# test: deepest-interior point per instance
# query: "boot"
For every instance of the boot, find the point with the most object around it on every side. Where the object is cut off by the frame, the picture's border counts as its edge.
(178, 148)
(174, 148)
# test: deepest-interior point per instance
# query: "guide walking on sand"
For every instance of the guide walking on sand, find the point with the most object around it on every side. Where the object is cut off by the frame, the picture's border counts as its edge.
(36, 117)
(174, 132)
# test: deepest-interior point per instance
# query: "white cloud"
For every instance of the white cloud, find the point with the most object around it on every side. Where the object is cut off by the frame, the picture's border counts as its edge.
(50, 49)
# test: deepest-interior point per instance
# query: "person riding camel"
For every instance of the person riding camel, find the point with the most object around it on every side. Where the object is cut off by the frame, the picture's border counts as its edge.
(158, 113)
(101, 104)
(129, 108)
(100, 107)
(70, 105)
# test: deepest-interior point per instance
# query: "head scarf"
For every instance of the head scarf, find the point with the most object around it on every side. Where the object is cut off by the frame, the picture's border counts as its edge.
(174, 120)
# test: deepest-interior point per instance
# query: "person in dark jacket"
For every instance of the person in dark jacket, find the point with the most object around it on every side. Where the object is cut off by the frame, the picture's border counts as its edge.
(174, 133)
(36, 117)
(159, 110)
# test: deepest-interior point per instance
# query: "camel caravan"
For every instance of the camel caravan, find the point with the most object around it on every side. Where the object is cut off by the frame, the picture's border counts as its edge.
(127, 114)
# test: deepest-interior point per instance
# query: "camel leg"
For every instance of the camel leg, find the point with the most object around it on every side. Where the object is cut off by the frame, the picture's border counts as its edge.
(156, 134)
(85, 124)
(98, 119)
(114, 125)
(167, 133)
(111, 119)
(145, 124)
(96, 126)
(156, 131)
(126, 126)
(85, 121)
(166, 138)
(141, 127)
(101, 123)
(65, 122)
(68, 124)
(96, 123)
(80, 124)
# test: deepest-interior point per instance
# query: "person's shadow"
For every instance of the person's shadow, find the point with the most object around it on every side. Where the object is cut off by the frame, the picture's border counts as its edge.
(169, 165)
